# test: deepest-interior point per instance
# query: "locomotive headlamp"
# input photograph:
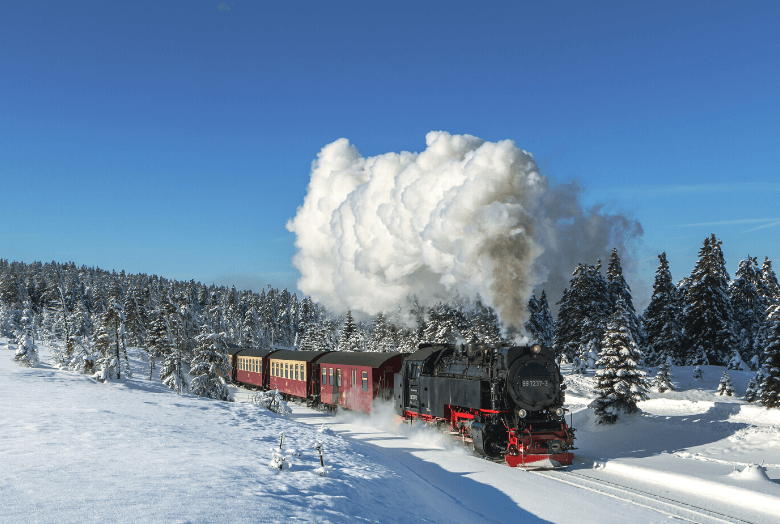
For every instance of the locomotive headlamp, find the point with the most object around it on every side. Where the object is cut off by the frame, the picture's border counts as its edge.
(536, 348)
(521, 413)
(558, 412)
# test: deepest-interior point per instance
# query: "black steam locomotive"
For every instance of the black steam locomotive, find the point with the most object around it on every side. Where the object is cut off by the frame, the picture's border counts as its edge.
(507, 400)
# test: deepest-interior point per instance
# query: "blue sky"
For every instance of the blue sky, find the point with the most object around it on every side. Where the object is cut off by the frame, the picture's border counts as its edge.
(177, 138)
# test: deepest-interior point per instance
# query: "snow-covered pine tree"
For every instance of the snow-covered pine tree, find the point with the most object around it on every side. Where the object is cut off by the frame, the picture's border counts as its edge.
(726, 385)
(26, 351)
(106, 361)
(136, 318)
(249, 329)
(540, 323)
(114, 321)
(697, 372)
(619, 289)
(348, 332)
(708, 315)
(210, 366)
(663, 379)
(442, 325)
(619, 382)
(661, 319)
(171, 372)
(158, 343)
(749, 306)
(584, 310)
(770, 371)
(769, 279)
(484, 326)
(750, 392)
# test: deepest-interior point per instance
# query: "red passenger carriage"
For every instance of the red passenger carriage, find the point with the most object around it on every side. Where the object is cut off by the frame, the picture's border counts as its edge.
(294, 374)
(251, 366)
(354, 379)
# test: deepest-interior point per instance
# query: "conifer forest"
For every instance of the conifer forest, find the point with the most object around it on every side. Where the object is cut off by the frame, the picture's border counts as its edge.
(185, 328)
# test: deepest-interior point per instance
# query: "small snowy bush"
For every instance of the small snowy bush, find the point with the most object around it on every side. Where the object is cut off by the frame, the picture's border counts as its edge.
(271, 400)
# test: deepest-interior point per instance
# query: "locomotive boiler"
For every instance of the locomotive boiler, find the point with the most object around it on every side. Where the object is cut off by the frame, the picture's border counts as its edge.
(507, 400)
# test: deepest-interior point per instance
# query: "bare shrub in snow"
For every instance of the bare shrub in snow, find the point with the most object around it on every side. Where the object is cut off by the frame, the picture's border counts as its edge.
(278, 460)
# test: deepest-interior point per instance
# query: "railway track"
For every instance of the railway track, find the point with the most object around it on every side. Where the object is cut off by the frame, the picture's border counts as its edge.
(660, 503)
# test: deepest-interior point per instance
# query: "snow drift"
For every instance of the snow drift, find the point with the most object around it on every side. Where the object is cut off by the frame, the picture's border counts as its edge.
(463, 217)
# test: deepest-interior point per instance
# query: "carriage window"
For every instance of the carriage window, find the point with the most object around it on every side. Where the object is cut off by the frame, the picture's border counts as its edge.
(365, 381)
(338, 377)
(324, 376)
(354, 378)
(330, 378)
(296, 371)
(286, 370)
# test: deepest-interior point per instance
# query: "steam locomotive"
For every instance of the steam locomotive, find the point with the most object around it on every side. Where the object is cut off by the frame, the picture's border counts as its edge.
(507, 400)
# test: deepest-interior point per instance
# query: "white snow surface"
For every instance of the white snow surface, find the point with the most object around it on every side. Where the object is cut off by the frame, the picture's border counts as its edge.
(75, 450)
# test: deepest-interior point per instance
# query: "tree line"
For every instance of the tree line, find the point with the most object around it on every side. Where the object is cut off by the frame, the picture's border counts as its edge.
(705, 318)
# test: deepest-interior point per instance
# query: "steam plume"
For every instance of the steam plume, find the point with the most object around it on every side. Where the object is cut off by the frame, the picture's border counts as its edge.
(463, 217)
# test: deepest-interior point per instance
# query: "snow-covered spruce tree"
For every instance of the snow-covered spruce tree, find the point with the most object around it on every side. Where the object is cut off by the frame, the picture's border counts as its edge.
(158, 343)
(770, 372)
(750, 392)
(114, 323)
(347, 334)
(442, 326)
(663, 379)
(708, 315)
(540, 323)
(697, 372)
(749, 306)
(380, 338)
(484, 326)
(726, 385)
(136, 318)
(26, 352)
(619, 382)
(584, 310)
(661, 319)
(171, 372)
(249, 329)
(769, 279)
(106, 360)
(210, 366)
(618, 289)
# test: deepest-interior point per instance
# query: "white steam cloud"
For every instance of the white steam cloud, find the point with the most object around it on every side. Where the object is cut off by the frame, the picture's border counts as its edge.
(463, 217)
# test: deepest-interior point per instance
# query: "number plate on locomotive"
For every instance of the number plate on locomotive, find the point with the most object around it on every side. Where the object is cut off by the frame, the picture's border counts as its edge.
(535, 383)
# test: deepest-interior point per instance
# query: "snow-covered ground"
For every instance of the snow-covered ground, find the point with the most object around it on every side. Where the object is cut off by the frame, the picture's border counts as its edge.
(73, 450)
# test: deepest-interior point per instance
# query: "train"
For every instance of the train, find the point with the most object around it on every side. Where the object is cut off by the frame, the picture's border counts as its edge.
(506, 401)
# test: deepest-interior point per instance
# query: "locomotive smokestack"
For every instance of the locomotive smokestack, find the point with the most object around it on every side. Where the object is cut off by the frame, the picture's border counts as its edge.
(461, 218)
